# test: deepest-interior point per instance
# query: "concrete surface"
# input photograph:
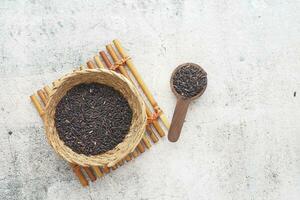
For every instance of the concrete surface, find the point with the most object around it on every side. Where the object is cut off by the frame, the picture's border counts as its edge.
(240, 140)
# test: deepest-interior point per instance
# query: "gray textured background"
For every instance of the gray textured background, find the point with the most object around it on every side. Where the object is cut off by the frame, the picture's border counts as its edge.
(240, 140)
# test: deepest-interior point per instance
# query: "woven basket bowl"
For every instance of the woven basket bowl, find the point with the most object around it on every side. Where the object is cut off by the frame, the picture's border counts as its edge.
(119, 83)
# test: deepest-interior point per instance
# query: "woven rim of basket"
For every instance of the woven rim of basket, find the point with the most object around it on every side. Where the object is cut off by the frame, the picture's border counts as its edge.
(118, 82)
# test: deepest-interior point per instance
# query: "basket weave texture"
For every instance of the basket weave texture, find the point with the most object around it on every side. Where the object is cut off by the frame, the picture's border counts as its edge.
(119, 83)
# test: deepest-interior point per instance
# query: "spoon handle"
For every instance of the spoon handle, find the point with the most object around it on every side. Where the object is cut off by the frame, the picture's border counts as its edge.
(178, 119)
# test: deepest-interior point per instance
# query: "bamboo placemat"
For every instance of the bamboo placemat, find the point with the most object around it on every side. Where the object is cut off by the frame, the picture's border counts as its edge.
(122, 63)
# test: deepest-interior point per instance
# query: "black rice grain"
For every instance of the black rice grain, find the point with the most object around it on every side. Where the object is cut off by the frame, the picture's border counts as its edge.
(92, 118)
(189, 80)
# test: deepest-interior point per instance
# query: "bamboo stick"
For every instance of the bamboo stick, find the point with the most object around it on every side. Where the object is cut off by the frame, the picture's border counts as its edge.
(37, 105)
(128, 158)
(114, 167)
(116, 59)
(97, 171)
(98, 62)
(47, 90)
(42, 95)
(140, 81)
(146, 142)
(141, 148)
(76, 169)
(121, 162)
(45, 93)
(135, 153)
(155, 123)
(134, 72)
(90, 65)
(152, 135)
(106, 169)
(90, 173)
(105, 59)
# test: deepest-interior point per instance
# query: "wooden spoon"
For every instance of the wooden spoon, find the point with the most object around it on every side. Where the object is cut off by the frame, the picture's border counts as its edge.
(182, 104)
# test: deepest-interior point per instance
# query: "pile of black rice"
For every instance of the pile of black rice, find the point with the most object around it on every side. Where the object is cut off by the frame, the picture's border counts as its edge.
(92, 118)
